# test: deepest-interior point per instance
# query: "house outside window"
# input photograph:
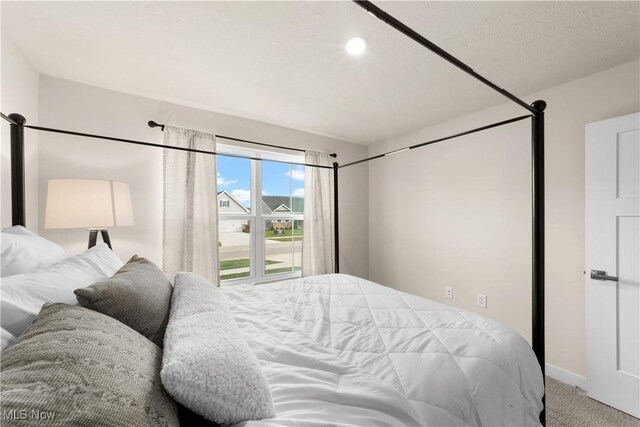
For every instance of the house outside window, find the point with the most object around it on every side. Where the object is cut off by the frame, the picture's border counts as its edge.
(260, 215)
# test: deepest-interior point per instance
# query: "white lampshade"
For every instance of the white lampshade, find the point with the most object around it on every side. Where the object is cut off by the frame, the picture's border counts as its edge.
(87, 203)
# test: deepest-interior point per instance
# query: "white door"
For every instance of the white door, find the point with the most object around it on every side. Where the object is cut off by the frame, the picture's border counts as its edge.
(613, 262)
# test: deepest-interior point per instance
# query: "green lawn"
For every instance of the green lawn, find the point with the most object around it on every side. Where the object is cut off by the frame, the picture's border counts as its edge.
(286, 239)
(246, 273)
(285, 236)
(229, 264)
(234, 276)
(281, 270)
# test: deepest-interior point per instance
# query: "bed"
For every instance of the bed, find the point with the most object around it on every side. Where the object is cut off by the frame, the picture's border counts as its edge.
(449, 366)
(330, 350)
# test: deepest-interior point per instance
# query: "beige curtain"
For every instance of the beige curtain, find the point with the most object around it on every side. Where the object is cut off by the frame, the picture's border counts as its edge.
(190, 225)
(317, 243)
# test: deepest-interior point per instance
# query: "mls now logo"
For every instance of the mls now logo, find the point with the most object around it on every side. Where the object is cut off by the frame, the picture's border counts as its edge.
(23, 414)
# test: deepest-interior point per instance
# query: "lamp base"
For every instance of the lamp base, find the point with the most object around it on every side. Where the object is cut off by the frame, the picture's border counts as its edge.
(93, 238)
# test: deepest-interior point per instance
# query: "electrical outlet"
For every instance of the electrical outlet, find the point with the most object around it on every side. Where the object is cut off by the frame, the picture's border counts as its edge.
(448, 292)
(481, 300)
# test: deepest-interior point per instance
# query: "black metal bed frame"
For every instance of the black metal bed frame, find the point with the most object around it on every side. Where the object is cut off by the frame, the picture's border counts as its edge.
(536, 109)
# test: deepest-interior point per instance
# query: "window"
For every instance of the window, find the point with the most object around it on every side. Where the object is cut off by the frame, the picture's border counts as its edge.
(261, 225)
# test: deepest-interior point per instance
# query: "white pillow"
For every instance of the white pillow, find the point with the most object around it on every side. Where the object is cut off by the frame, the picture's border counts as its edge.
(23, 295)
(207, 365)
(6, 339)
(24, 251)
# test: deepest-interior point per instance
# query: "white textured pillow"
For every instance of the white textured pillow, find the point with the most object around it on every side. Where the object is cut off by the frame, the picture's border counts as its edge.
(23, 295)
(25, 252)
(207, 365)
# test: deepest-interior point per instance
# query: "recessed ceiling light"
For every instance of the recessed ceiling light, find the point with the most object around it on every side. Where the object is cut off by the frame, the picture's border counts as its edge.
(356, 45)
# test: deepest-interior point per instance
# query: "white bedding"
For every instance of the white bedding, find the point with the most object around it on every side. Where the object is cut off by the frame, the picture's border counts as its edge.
(345, 351)
(22, 295)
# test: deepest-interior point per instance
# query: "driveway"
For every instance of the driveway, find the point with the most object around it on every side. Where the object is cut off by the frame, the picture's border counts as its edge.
(236, 245)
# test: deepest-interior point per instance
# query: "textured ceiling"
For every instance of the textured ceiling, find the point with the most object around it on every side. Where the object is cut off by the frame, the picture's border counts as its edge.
(284, 62)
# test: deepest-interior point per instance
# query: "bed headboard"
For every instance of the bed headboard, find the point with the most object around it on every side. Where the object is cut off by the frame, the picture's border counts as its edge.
(18, 216)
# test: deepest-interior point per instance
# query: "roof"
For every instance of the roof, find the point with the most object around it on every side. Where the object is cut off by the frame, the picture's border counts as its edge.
(271, 203)
(232, 198)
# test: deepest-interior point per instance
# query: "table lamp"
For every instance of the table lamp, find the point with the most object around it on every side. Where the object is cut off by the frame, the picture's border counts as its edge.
(88, 203)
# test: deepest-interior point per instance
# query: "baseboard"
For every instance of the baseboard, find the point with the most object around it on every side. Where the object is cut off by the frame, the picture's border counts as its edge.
(566, 377)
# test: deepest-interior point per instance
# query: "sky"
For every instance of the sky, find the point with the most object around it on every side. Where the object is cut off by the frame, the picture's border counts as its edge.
(278, 179)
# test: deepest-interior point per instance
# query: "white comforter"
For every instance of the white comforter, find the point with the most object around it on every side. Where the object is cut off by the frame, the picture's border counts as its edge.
(341, 350)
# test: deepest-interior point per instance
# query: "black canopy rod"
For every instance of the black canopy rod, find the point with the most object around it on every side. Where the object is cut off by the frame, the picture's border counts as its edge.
(151, 144)
(9, 119)
(422, 144)
(390, 20)
(153, 124)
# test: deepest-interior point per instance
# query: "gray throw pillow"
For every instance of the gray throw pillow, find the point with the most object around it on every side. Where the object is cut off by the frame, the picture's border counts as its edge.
(77, 367)
(207, 365)
(138, 295)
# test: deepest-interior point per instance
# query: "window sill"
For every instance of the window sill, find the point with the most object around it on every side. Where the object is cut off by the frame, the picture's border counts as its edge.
(263, 281)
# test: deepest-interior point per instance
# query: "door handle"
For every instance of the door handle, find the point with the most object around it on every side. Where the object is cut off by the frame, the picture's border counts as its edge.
(602, 275)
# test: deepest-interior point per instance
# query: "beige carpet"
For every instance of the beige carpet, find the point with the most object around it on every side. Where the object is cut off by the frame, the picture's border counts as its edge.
(570, 407)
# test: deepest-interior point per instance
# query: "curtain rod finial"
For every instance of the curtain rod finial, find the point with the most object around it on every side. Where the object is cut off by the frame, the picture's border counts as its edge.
(153, 124)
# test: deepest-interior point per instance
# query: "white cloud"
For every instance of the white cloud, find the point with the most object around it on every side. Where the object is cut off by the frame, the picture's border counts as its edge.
(298, 192)
(297, 173)
(264, 193)
(243, 196)
(223, 182)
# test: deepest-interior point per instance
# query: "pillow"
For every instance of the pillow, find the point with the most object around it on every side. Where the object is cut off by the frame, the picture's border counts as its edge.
(84, 369)
(22, 295)
(24, 251)
(6, 339)
(207, 365)
(138, 295)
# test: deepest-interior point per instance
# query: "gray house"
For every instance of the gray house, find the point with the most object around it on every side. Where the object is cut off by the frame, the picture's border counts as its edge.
(275, 204)
(282, 204)
(270, 205)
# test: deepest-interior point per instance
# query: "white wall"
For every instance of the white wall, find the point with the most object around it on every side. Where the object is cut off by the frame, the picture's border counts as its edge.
(19, 94)
(458, 213)
(83, 108)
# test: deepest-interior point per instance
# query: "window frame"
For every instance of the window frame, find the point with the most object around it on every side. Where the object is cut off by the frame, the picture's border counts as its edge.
(256, 219)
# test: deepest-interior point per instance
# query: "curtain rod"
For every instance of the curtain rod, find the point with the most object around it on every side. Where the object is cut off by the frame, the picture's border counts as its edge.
(152, 144)
(422, 144)
(407, 31)
(153, 124)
